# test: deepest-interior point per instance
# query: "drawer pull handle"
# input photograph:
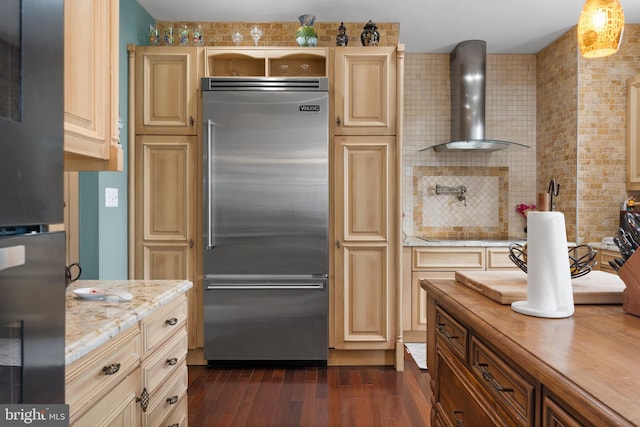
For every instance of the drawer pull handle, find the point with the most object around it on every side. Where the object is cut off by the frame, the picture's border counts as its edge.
(459, 422)
(172, 400)
(488, 377)
(144, 400)
(171, 322)
(111, 369)
(174, 425)
(446, 333)
(172, 361)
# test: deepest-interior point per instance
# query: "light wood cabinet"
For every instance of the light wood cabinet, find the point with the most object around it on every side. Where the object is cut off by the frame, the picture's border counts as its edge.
(138, 378)
(166, 87)
(604, 256)
(365, 91)
(91, 130)
(364, 264)
(366, 146)
(167, 170)
(265, 62)
(633, 133)
(163, 367)
(440, 262)
(108, 375)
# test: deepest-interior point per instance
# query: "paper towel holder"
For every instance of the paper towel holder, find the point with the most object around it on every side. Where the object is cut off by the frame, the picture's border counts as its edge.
(549, 289)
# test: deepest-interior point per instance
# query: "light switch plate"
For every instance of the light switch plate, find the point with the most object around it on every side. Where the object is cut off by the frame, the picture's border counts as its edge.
(111, 197)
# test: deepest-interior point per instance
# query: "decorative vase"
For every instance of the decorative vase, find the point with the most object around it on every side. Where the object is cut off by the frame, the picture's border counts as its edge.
(342, 39)
(370, 35)
(305, 34)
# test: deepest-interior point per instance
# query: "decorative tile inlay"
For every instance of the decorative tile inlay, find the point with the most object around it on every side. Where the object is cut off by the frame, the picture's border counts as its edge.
(444, 215)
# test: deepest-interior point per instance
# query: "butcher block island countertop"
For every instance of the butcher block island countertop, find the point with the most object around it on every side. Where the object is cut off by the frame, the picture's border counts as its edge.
(90, 323)
(584, 368)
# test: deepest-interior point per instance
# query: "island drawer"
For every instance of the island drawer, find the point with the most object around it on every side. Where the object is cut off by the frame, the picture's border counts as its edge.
(95, 374)
(166, 399)
(452, 333)
(438, 258)
(157, 327)
(513, 392)
(164, 361)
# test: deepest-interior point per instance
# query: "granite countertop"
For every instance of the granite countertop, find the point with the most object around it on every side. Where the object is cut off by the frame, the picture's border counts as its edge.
(416, 241)
(604, 246)
(90, 323)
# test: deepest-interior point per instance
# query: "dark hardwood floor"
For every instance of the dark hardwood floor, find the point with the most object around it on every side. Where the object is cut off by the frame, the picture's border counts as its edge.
(325, 396)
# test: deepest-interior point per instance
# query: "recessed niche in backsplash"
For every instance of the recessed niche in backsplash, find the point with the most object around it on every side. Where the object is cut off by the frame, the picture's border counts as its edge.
(482, 213)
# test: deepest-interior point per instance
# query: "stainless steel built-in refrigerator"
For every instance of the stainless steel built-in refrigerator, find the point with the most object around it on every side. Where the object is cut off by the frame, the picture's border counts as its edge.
(32, 259)
(265, 219)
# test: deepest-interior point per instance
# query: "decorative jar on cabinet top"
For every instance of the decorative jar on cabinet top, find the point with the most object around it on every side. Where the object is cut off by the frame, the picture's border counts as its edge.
(306, 35)
(370, 35)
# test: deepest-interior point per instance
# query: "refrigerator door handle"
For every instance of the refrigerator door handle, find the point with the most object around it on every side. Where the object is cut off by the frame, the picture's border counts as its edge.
(12, 256)
(209, 199)
(226, 286)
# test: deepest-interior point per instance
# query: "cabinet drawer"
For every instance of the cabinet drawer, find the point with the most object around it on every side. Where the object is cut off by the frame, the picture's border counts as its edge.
(553, 415)
(157, 327)
(163, 401)
(455, 402)
(605, 257)
(93, 375)
(449, 258)
(511, 390)
(116, 409)
(164, 361)
(452, 333)
(498, 259)
(179, 416)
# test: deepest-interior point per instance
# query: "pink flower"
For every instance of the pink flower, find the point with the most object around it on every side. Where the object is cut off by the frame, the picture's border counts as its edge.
(523, 208)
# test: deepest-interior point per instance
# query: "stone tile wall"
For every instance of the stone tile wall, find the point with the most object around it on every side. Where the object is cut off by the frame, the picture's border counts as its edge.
(581, 131)
(510, 115)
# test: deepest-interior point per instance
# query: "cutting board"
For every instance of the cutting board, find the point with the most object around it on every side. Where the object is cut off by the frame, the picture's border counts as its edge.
(505, 287)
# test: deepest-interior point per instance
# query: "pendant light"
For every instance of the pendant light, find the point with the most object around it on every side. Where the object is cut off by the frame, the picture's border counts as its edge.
(600, 28)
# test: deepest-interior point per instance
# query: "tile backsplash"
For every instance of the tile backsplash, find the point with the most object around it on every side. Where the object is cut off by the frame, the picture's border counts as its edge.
(496, 182)
(479, 212)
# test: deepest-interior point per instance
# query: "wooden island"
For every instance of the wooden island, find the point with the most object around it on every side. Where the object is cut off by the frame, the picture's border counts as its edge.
(492, 366)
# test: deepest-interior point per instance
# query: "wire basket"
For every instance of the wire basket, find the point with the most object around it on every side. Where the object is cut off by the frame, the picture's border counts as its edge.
(582, 258)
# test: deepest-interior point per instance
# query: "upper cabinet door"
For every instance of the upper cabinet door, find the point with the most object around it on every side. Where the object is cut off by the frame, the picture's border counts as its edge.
(167, 90)
(633, 133)
(365, 91)
(91, 134)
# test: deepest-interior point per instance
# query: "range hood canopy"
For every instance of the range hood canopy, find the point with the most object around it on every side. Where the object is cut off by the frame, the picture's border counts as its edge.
(468, 71)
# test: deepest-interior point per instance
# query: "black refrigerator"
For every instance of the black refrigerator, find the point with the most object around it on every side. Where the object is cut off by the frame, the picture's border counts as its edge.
(32, 259)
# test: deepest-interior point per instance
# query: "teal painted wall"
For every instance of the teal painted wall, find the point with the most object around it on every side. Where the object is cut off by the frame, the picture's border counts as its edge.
(103, 230)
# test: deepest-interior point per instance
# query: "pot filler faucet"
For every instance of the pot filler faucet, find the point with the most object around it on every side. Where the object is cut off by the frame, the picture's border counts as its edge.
(460, 190)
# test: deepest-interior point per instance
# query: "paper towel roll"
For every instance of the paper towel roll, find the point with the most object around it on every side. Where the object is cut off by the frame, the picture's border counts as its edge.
(549, 291)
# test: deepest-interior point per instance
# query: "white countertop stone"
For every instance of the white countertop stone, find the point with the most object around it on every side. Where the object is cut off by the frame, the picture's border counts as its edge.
(416, 241)
(90, 323)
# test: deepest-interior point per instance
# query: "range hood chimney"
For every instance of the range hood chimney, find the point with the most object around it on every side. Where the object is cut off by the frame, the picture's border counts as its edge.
(468, 72)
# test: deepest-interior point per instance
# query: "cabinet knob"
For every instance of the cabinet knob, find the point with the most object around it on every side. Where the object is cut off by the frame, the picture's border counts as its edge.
(338, 244)
(171, 322)
(172, 361)
(172, 400)
(191, 243)
(338, 122)
(191, 121)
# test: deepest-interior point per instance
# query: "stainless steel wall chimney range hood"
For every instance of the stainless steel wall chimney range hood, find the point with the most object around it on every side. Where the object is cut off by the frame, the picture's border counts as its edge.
(468, 71)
